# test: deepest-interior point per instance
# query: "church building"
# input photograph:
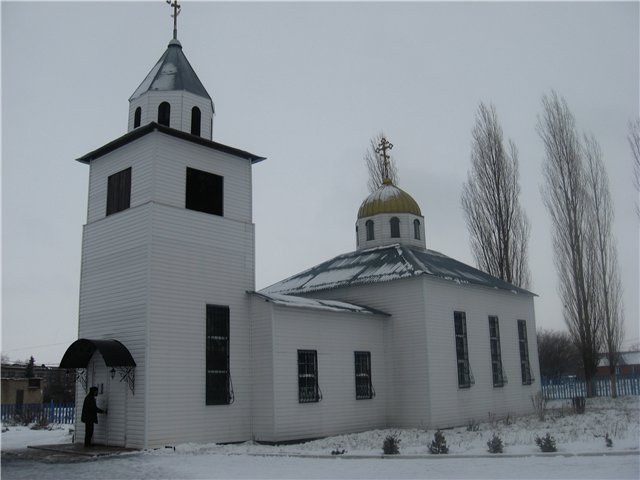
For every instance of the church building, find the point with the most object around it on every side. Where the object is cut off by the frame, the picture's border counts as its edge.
(183, 348)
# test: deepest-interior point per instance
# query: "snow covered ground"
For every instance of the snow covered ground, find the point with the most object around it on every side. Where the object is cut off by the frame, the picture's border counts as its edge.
(582, 452)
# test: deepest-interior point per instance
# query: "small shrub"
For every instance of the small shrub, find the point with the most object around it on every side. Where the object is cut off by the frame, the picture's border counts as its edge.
(472, 426)
(41, 423)
(578, 404)
(546, 443)
(337, 451)
(391, 445)
(495, 445)
(439, 443)
(607, 440)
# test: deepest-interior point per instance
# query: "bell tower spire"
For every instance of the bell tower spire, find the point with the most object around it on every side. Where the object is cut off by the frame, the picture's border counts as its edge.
(176, 11)
(171, 94)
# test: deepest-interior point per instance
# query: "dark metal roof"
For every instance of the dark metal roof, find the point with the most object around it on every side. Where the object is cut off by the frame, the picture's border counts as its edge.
(384, 264)
(151, 127)
(172, 72)
(114, 353)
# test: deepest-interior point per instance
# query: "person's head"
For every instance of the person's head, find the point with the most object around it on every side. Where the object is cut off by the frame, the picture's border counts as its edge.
(93, 391)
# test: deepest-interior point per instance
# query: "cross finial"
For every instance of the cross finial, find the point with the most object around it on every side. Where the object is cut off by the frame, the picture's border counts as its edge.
(176, 11)
(382, 148)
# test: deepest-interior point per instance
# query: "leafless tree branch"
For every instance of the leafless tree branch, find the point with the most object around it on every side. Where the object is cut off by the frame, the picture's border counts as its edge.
(376, 167)
(498, 226)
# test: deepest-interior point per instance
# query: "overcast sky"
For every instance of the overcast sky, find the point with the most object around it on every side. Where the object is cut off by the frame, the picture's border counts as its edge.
(306, 85)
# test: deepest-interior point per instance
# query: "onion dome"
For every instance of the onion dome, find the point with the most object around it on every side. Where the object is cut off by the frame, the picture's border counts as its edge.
(388, 199)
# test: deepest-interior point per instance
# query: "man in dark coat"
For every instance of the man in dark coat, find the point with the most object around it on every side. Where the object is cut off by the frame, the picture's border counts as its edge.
(90, 414)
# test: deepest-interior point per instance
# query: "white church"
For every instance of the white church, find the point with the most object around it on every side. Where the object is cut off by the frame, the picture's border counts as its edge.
(184, 349)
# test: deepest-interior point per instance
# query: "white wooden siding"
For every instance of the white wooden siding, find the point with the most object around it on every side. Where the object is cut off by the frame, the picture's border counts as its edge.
(158, 173)
(335, 336)
(262, 360)
(382, 230)
(405, 345)
(197, 259)
(451, 405)
(180, 116)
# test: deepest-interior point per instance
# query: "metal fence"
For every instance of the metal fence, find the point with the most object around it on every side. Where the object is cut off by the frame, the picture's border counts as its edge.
(38, 412)
(553, 389)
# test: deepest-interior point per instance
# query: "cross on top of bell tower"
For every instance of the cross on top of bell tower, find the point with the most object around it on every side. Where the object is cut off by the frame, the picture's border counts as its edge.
(176, 11)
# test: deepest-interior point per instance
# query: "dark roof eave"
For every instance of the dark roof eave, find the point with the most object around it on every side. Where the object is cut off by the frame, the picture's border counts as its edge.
(153, 126)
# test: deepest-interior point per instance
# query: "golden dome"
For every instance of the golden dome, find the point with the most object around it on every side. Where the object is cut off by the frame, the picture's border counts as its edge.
(388, 199)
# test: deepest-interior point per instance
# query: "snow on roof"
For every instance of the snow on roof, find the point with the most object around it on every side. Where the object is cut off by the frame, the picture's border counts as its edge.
(625, 358)
(332, 305)
(383, 264)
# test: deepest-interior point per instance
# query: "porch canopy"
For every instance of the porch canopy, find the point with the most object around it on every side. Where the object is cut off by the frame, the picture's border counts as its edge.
(114, 353)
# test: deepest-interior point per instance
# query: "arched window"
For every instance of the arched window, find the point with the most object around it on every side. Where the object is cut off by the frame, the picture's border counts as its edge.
(369, 226)
(395, 227)
(195, 121)
(137, 116)
(164, 113)
(357, 239)
(416, 229)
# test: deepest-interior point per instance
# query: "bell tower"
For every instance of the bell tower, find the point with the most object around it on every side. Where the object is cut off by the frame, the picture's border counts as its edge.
(172, 94)
(168, 254)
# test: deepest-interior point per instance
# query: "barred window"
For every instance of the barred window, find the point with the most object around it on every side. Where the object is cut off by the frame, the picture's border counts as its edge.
(525, 367)
(364, 387)
(462, 350)
(119, 191)
(218, 383)
(308, 391)
(499, 378)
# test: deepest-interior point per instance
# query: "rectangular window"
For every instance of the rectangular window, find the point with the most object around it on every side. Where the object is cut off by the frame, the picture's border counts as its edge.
(119, 191)
(308, 390)
(462, 350)
(525, 367)
(218, 384)
(364, 388)
(496, 356)
(204, 192)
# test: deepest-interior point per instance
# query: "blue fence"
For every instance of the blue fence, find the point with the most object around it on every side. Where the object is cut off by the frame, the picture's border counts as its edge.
(568, 388)
(38, 412)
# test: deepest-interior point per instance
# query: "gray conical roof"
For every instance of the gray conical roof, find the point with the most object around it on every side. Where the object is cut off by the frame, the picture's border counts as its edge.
(172, 72)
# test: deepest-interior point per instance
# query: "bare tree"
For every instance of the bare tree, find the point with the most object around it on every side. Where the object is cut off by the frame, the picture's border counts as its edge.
(378, 168)
(634, 142)
(567, 200)
(557, 353)
(606, 276)
(498, 226)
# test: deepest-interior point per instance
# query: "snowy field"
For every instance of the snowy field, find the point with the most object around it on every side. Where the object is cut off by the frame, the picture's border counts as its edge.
(582, 453)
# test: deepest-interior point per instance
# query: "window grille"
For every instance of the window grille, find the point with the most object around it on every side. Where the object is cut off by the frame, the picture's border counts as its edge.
(525, 366)
(308, 389)
(499, 377)
(465, 376)
(364, 387)
(219, 388)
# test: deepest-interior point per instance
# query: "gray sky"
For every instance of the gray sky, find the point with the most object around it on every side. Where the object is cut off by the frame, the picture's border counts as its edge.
(306, 85)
